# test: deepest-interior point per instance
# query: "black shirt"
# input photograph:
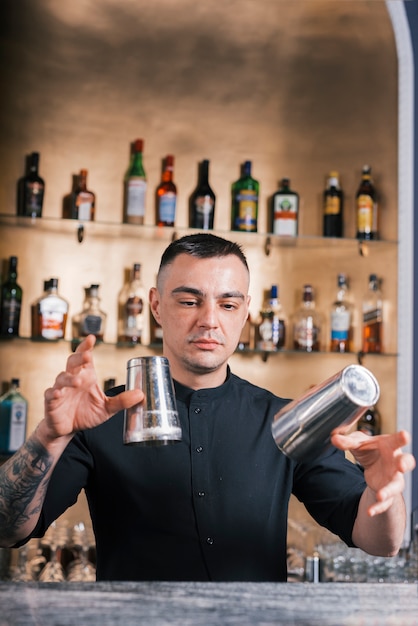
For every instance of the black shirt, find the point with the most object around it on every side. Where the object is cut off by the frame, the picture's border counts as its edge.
(210, 508)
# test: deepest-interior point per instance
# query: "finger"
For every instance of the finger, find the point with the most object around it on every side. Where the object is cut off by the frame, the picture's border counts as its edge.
(88, 343)
(349, 442)
(124, 400)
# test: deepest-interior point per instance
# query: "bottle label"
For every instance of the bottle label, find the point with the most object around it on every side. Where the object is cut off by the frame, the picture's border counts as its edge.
(92, 324)
(246, 218)
(365, 214)
(52, 325)
(10, 316)
(332, 205)
(204, 205)
(84, 204)
(34, 195)
(285, 215)
(340, 325)
(133, 322)
(372, 316)
(307, 335)
(167, 207)
(17, 425)
(135, 196)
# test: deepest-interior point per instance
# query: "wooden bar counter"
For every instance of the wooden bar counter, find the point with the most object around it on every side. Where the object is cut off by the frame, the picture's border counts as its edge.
(208, 604)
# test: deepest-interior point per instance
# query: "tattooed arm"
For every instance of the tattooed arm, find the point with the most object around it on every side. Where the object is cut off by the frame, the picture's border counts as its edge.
(75, 402)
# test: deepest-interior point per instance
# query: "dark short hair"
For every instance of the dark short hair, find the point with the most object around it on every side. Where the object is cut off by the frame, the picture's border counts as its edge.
(202, 246)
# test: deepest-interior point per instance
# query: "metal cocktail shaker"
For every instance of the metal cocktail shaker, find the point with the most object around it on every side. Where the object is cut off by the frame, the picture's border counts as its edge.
(155, 421)
(302, 429)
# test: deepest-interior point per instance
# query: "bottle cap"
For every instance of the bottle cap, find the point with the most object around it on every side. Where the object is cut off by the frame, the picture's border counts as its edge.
(53, 282)
(342, 280)
(274, 291)
(169, 160)
(16, 382)
(138, 145)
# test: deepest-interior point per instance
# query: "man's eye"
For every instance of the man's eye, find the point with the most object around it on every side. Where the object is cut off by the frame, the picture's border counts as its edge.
(188, 302)
(229, 306)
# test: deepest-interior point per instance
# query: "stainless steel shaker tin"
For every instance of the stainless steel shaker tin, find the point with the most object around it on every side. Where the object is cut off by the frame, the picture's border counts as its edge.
(302, 429)
(154, 421)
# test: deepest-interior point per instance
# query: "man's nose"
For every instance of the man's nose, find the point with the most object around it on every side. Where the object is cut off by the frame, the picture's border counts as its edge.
(208, 317)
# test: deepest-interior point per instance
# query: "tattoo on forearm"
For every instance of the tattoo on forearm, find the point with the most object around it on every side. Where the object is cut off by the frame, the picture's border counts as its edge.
(23, 482)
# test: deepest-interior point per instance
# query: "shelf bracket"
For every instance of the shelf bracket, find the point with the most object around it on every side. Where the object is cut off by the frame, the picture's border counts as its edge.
(80, 233)
(363, 248)
(267, 246)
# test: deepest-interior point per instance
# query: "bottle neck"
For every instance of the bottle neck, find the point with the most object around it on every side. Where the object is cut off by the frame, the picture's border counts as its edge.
(167, 176)
(204, 173)
(82, 181)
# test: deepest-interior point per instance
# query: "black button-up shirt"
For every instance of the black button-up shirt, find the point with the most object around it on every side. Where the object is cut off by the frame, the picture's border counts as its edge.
(212, 507)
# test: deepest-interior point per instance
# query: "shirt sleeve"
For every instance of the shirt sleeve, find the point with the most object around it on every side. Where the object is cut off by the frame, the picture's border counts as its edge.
(330, 488)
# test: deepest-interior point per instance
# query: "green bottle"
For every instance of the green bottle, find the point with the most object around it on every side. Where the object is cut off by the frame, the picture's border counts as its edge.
(245, 193)
(13, 418)
(135, 187)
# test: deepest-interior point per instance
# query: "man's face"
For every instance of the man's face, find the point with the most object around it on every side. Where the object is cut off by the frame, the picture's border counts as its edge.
(202, 305)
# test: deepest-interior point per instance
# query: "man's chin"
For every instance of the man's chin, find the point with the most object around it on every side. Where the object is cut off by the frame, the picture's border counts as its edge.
(203, 365)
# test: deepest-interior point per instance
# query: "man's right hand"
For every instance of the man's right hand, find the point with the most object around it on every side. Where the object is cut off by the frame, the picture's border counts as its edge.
(76, 401)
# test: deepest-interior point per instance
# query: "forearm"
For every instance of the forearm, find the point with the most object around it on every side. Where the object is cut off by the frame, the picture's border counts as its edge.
(24, 480)
(381, 534)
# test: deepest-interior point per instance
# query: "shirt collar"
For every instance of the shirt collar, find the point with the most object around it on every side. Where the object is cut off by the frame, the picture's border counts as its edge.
(185, 394)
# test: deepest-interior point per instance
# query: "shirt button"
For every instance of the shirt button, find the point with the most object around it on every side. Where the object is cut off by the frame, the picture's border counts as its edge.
(201, 494)
(197, 410)
(209, 541)
(199, 449)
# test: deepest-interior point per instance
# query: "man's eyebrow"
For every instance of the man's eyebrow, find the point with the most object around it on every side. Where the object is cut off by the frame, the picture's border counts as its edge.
(198, 292)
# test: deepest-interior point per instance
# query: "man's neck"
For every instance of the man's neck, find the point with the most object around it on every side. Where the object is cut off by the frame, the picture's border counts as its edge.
(197, 381)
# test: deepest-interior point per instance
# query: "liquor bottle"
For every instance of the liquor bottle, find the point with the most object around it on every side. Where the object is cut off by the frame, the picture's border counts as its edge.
(285, 211)
(341, 318)
(272, 329)
(372, 309)
(83, 200)
(166, 195)
(333, 207)
(307, 324)
(13, 419)
(366, 207)
(49, 313)
(135, 186)
(370, 422)
(91, 320)
(11, 302)
(245, 192)
(202, 201)
(31, 189)
(132, 298)
(109, 383)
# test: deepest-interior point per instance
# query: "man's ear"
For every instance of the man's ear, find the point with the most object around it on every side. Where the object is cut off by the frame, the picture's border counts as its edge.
(154, 302)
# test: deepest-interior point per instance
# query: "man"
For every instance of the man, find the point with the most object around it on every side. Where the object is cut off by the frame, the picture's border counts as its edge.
(213, 507)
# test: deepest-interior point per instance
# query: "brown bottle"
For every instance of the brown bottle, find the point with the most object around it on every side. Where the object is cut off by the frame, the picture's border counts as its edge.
(49, 313)
(166, 195)
(84, 200)
(372, 317)
(366, 207)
